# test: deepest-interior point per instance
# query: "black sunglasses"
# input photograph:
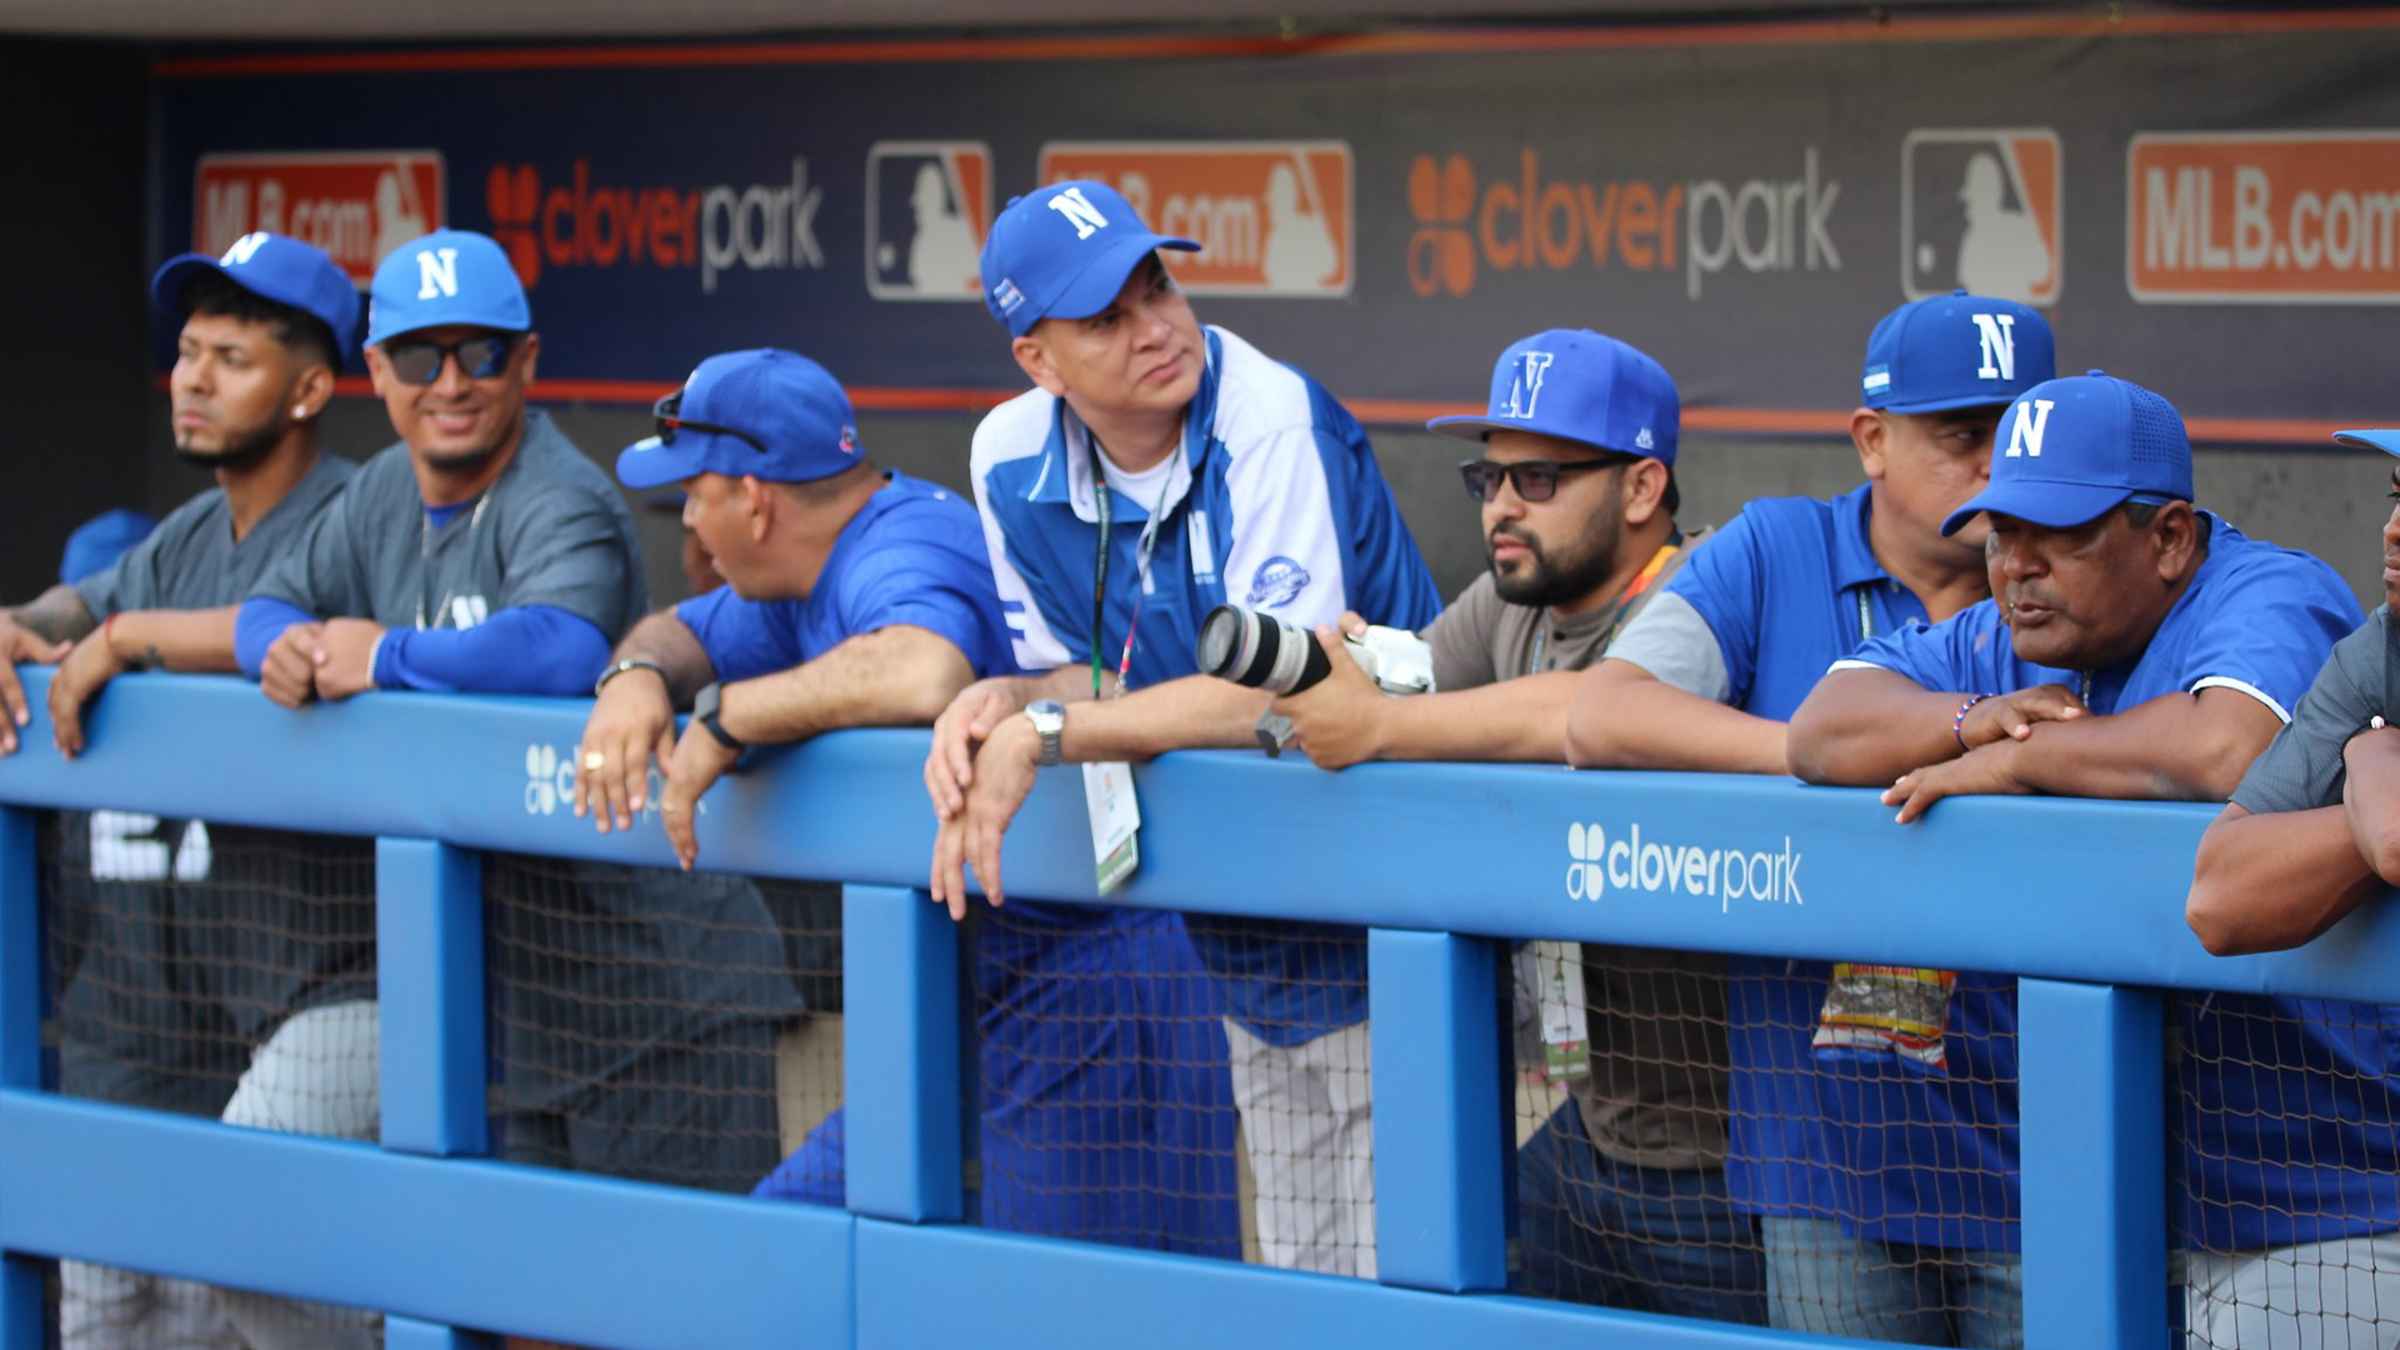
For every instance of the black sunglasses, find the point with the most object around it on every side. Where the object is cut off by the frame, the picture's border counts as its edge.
(417, 361)
(666, 420)
(1536, 480)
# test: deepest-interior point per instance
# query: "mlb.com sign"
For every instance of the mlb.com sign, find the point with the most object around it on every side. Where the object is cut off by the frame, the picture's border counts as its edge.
(1526, 219)
(357, 205)
(1272, 218)
(587, 220)
(2263, 217)
(1598, 864)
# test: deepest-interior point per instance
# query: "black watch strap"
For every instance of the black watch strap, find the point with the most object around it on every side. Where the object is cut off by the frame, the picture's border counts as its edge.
(705, 709)
(630, 663)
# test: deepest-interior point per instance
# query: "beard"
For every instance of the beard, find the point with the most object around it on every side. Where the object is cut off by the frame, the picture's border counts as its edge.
(244, 452)
(1543, 581)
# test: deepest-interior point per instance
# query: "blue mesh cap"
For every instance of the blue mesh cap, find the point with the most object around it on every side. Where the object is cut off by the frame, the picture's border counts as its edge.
(1063, 252)
(766, 413)
(1955, 351)
(2070, 450)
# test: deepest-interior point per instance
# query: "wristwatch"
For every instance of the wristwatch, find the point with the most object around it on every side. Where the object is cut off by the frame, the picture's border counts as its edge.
(630, 663)
(1049, 718)
(704, 711)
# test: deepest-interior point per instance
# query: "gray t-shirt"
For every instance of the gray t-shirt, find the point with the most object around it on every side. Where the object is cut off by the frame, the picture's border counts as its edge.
(553, 530)
(2302, 768)
(1655, 1096)
(174, 970)
(192, 560)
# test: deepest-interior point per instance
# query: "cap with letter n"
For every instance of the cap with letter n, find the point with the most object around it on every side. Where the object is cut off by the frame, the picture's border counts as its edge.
(2068, 451)
(1581, 386)
(1955, 351)
(766, 413)
(1063, 252)
(273, 267)
(448, 278)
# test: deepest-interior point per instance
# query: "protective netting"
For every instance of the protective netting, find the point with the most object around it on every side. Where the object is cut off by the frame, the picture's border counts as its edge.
(217, 971)
(2283, 1199)
(636, 1015)
(1101, 1082)
(1695, 1138)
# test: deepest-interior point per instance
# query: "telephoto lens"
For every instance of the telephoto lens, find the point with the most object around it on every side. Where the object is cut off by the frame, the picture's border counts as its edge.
(1254, 649)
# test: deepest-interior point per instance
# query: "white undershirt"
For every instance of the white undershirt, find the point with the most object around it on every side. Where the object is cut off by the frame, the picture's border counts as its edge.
(1143, 487)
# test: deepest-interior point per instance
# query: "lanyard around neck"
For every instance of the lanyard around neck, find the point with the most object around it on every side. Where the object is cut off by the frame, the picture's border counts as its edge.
(1101, 492)
(425, 553)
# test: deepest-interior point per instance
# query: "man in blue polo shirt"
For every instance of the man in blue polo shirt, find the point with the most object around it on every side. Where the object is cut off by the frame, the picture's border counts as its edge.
(2292, 1248)
(1157, 470)
(2136, 647)
(1705, 677)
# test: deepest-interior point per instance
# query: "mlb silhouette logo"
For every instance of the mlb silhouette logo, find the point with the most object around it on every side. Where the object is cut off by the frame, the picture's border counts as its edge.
(929, 208)
(1980, 209)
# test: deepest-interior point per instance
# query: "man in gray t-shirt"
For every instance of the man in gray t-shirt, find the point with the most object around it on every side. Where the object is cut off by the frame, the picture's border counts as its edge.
(171, 955)
(1621, 1196)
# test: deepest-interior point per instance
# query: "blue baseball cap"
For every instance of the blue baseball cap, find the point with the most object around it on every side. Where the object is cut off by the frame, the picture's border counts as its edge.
(1955, 351)
(448, 277)
(273, 267)
(1579, 386)
(2068, 450)
(97, 543)
(2388, 441)
(1063, 252)
(795, 412)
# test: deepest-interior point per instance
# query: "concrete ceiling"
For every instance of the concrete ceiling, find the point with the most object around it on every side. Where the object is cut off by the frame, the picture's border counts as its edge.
(453, 20)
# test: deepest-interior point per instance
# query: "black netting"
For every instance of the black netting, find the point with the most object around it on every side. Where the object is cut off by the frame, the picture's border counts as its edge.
(1105, 1107)
(2283, 1195)
(1768, 1142)
(636, 1015)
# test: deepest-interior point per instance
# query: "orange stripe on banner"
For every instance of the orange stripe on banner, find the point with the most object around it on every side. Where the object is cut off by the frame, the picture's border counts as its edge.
(1406, 42)
(1402, 412)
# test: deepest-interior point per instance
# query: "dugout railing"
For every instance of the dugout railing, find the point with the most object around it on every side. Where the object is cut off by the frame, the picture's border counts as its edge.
(2082, 899)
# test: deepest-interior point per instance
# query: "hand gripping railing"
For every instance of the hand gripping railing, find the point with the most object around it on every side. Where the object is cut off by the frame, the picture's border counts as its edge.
(2083, 899)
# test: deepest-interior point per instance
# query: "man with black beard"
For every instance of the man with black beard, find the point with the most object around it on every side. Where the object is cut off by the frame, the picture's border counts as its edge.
(263, 331)
(164, 949)
(1621, 1194)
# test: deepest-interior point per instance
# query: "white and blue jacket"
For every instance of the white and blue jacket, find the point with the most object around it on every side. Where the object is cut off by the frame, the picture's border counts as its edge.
(1276, 503)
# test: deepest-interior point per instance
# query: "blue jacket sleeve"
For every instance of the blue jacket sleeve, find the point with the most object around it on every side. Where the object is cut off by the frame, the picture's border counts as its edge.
(529, 649)
(256, 626)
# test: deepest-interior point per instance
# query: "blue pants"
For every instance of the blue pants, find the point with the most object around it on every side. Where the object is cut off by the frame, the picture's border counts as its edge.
(1106, 1105)
(1650, 1239)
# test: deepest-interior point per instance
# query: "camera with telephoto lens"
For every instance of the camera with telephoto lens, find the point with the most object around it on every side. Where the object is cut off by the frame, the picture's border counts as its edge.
(1281, 657)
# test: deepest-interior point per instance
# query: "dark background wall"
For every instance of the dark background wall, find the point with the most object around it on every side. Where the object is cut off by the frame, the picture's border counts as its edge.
(74, 339)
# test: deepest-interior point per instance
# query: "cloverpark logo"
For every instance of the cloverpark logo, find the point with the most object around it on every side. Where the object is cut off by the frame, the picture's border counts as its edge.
(1598, 864)
(549, 779)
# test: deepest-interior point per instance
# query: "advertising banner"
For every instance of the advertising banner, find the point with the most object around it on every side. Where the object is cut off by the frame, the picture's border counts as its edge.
(2205, 204)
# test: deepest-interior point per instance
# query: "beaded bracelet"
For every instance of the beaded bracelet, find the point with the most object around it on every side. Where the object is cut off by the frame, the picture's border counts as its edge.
(1958, 724)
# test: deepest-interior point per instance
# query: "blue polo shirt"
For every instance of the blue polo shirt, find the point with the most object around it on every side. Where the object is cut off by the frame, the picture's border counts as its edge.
(1276, 503)
(2260, 620)
(1764, 606)
(912, 555)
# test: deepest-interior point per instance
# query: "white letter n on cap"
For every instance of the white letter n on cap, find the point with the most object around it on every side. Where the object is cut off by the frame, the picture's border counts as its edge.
(2025, 433)
(1998, 333)
(1525, 387)
(437, 272)
(245, 246)
(1079, 211)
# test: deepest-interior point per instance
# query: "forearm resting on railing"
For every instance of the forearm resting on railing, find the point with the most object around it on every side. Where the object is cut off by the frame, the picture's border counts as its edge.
(1197, 712)
(2371, 798)
(1519, 721)
(1865, 727)
(2264, 883)
(666, 641)
(901, 676)
(2176, 747)
(175, 639)
(57, 614)
(1623, 717)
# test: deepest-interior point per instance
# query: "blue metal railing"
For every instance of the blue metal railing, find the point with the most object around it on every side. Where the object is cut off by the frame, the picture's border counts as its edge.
(2083, 899)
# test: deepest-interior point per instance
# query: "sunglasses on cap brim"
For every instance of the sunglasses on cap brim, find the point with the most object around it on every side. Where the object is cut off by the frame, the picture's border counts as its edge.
(666, 419)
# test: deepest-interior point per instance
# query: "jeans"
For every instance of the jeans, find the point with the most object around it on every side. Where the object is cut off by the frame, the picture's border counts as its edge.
(1820, 1278)
(1651, 1239)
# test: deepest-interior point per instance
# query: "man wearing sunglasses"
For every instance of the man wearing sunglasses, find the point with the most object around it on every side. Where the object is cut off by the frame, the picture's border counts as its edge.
(1705, 678)
(1159, 469)
(2139, 647)
(1621, 1195)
